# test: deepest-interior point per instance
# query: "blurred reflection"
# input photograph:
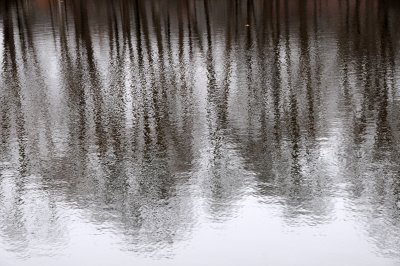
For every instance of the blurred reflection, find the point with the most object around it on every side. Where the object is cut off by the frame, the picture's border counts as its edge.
(141, 113)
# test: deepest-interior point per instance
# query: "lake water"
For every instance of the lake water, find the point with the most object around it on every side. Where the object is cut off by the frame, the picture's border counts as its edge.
(182, 132)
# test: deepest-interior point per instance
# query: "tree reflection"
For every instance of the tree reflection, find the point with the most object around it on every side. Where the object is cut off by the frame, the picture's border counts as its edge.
(125, 104)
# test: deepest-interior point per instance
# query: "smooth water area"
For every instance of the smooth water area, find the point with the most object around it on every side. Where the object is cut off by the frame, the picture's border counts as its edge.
(182, 132)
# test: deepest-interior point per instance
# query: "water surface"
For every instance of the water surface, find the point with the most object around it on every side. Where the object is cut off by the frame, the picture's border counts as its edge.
(180, 132)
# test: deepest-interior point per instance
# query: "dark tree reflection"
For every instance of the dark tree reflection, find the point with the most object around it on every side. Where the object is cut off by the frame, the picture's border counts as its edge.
(136, 111)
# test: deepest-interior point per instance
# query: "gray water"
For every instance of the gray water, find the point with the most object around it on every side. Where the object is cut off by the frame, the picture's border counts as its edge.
(224, 132)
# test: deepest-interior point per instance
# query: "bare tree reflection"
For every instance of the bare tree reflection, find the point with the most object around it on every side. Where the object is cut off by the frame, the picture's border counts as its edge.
(122, 106)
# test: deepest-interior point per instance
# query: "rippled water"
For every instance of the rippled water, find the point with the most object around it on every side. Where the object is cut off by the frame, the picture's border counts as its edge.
(172, 132)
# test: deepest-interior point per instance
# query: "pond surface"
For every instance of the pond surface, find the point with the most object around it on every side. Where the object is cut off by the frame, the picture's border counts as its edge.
(172, 132)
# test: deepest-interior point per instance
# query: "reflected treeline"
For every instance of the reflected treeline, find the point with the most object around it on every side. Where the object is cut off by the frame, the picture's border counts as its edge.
(123, 107)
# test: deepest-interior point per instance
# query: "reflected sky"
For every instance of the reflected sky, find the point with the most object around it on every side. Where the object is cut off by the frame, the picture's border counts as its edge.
(179, 132)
